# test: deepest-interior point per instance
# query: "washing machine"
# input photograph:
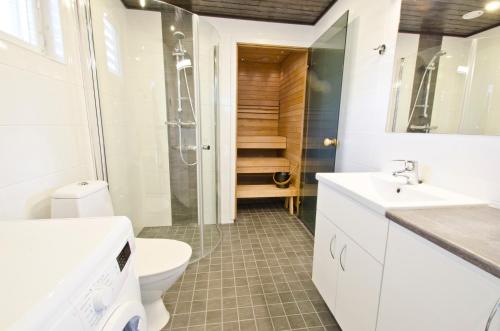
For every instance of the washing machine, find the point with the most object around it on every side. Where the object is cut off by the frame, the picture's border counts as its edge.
(71, 274)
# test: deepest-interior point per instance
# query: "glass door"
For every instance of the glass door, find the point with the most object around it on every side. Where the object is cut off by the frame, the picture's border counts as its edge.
(154, 91)
(324, 88)
(207, 42)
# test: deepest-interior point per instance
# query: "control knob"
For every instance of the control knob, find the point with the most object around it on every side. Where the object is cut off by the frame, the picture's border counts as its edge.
(102, 298)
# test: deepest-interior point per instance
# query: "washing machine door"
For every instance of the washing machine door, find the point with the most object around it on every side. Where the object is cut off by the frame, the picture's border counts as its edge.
(129, 316)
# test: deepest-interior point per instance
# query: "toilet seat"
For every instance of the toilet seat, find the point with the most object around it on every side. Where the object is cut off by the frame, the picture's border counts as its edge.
(158, 256)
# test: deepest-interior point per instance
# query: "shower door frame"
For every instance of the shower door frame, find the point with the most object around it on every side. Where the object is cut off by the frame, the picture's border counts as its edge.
(83, 15)
(91, 88)
(199, 143)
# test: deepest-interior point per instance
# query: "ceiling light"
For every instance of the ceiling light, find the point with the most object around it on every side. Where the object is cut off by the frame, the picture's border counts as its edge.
(492, 6)
(172, 28)
(142, 3)
(473, 14)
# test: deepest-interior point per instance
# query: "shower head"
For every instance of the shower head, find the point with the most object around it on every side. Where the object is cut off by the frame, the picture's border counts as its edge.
(440, 53)
(432, 62)
(179, 35)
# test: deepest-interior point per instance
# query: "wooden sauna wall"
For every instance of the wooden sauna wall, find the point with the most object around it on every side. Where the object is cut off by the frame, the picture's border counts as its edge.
(292, 98)
(258, 98)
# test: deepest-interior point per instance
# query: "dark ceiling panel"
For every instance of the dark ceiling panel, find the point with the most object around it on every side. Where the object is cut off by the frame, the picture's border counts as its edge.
(444, 17)
(283, 11)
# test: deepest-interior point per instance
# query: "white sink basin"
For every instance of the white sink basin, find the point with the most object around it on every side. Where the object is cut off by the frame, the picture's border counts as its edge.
(381, 191)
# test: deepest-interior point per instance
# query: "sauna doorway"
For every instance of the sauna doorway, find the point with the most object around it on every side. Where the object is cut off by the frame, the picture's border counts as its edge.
(270, 121)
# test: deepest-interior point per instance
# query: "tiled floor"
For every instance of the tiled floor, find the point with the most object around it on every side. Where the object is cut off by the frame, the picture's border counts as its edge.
(259, 278)
(188, 233)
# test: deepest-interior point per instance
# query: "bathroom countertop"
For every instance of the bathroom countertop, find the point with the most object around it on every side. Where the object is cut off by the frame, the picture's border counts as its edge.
(472, 233)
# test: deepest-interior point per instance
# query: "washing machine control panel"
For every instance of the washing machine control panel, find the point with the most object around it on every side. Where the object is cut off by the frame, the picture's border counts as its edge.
(123, 257)
(93, 304)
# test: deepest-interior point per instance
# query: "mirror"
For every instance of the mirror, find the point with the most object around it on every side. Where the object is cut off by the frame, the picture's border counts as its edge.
(446, 76)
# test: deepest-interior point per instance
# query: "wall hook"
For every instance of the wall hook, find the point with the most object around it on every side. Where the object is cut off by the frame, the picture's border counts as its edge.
(380, 49)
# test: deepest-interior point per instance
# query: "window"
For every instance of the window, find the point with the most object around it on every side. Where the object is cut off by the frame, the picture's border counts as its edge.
(54, 43)
(111, 42)
(33, 23)
(18, 18)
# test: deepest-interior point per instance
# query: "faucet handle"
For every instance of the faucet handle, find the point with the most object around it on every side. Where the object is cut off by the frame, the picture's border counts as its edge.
(410, 165)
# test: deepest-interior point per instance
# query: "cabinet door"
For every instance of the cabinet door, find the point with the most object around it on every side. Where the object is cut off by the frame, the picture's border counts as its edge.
(358, 287)
(428, 288)
(325, 269)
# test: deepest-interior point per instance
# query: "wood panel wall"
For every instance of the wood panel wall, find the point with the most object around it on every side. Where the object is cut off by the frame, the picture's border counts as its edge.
(258, 98)
(292, 98)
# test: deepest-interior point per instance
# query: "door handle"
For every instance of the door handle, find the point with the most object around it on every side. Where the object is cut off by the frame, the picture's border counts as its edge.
(206, 147)
(341, 254)
(330, 142)
(334, 240)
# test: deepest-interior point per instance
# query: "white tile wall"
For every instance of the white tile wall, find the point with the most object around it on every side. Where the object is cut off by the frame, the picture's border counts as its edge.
(44, 141)
(450, 85)
(482, 106)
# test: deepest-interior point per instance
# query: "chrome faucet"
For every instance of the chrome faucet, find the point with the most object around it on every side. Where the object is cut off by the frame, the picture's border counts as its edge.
(410, 172)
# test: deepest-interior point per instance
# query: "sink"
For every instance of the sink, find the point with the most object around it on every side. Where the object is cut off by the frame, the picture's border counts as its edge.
(381, 191)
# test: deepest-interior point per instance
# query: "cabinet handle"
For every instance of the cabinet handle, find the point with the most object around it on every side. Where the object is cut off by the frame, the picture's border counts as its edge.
(334, 241)
(492, 315)
(341, 253)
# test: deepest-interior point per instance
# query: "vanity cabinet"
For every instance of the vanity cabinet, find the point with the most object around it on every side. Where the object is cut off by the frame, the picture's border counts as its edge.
(427, 288)
(358, 287)
(376, 275)
(325, 267)
(346, 267)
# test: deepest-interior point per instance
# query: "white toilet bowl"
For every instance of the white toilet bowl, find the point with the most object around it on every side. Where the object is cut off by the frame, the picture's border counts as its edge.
(160, 263)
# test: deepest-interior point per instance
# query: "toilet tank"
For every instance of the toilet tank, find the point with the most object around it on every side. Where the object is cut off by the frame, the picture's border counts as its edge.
(82, 199)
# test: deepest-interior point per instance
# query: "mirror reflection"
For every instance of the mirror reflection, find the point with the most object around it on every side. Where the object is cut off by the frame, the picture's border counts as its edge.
(446, 76)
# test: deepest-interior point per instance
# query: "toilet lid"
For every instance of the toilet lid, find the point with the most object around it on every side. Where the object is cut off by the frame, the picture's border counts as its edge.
(155, 256)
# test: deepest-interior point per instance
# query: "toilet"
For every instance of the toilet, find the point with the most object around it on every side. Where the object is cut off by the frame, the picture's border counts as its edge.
(160, 262)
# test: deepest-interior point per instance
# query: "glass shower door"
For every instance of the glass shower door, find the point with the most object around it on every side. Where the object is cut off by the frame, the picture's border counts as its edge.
(208, 82)
(157, 116)
(324, 87)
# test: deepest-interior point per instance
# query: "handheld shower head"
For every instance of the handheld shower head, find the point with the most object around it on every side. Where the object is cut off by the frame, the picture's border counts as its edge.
(432, 62)
(179, 35)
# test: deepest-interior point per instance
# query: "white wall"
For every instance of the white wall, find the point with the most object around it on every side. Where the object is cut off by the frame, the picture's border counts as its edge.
(44, 140)
(467, 164)
(481, 113)
(231, 32)
(450, 85)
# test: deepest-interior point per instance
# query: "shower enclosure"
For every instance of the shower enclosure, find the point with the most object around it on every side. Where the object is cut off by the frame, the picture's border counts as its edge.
(152, 98)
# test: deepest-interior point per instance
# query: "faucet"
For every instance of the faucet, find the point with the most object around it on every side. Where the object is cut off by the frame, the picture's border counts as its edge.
(410, 172)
